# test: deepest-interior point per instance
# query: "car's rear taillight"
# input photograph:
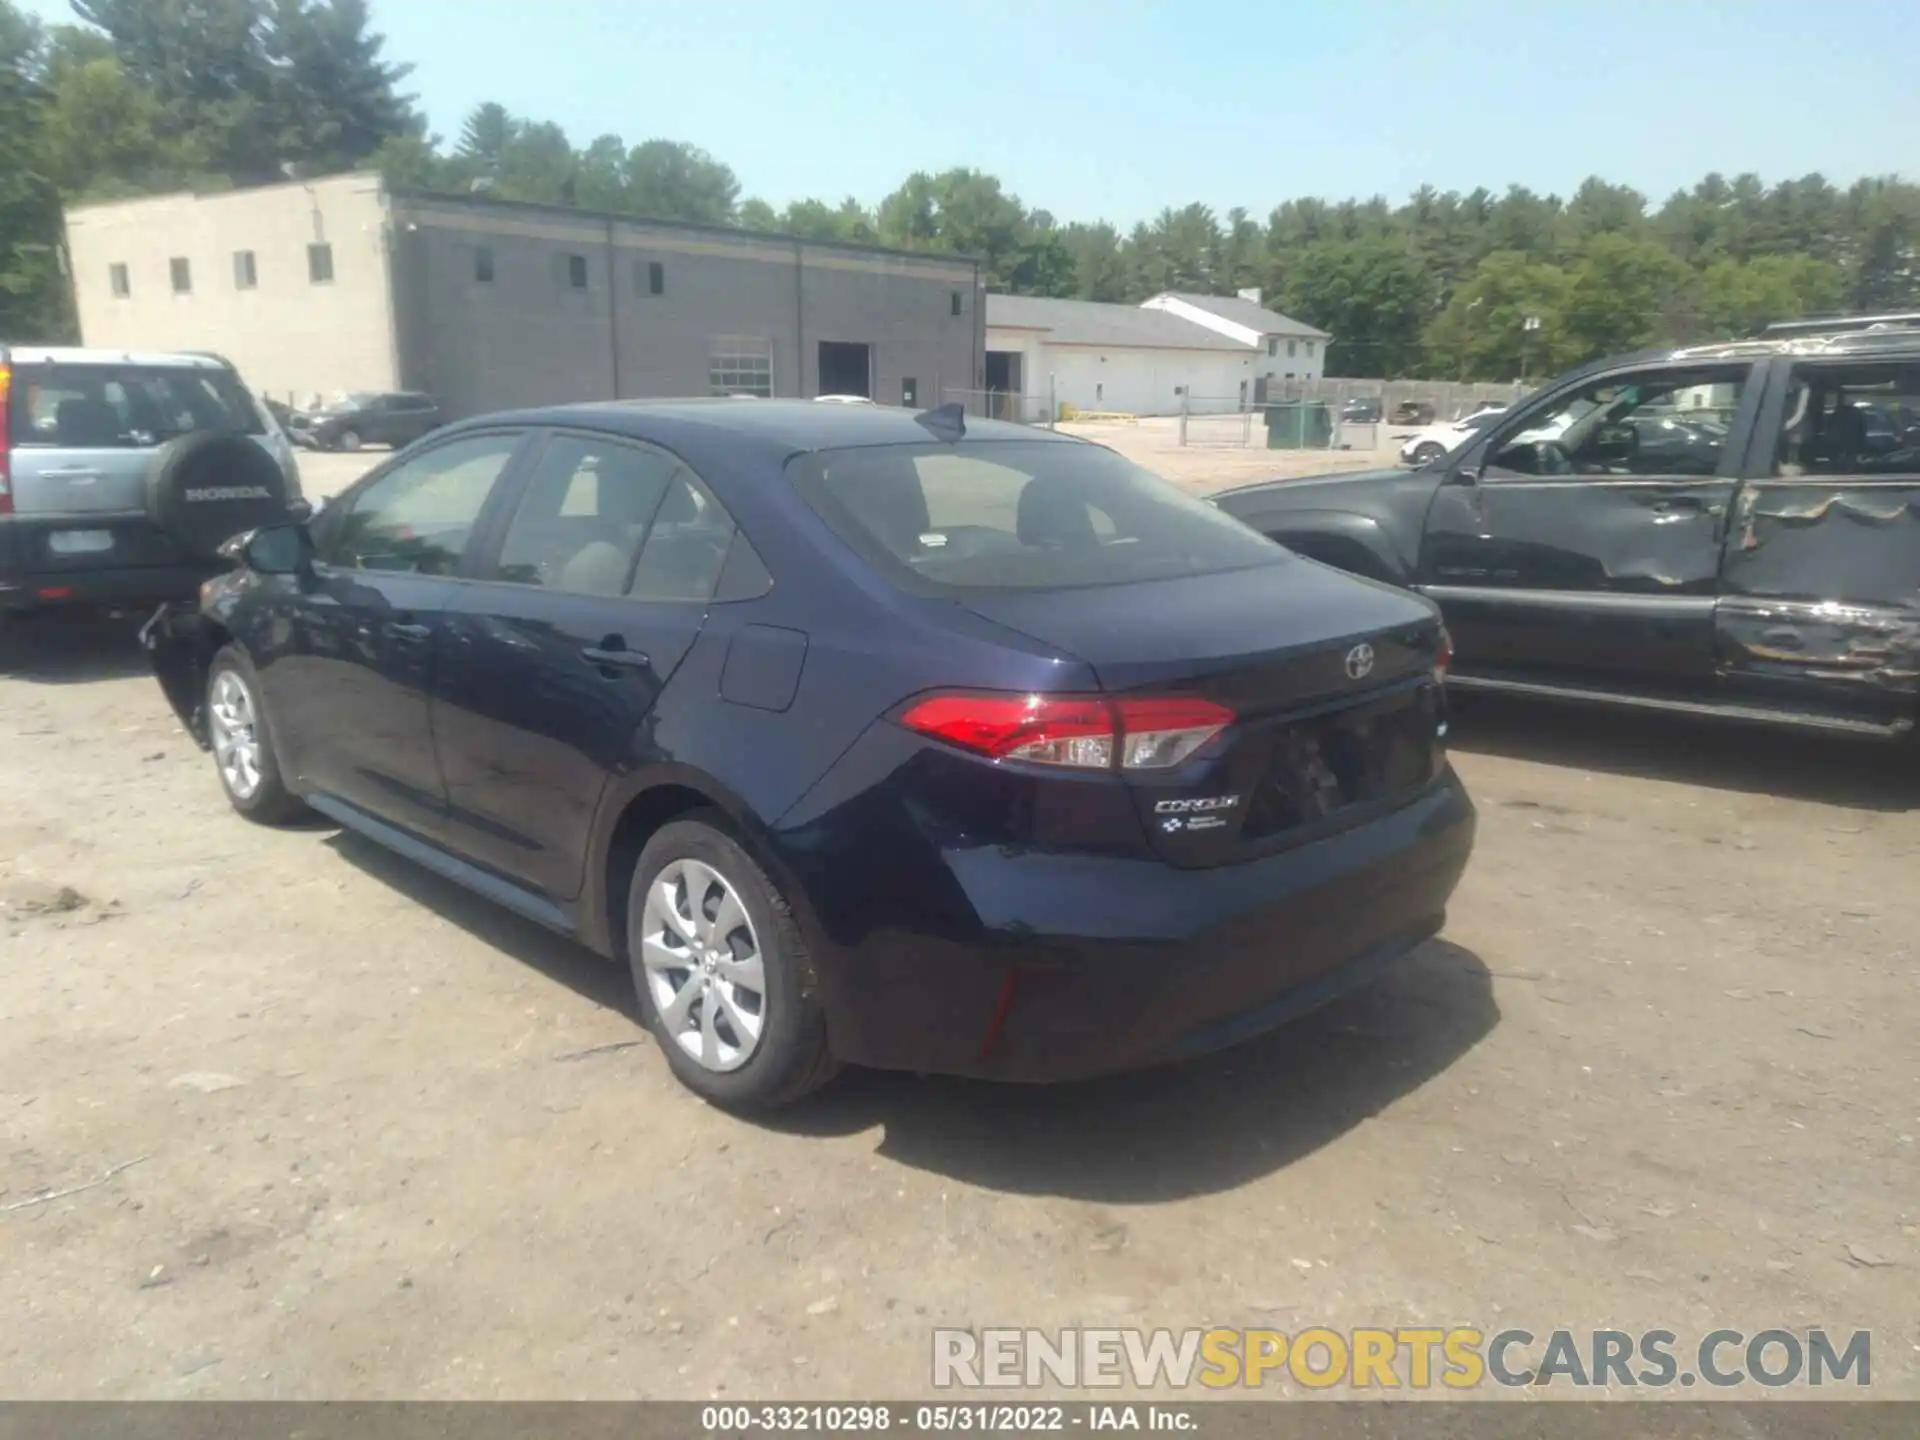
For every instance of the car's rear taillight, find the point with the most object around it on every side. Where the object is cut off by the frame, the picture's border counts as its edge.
(1085, 732)
(6, 440)
(1442, 657)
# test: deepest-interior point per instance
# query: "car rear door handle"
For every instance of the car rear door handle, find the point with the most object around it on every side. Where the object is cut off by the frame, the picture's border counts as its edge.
(404, 630)
(615, 657)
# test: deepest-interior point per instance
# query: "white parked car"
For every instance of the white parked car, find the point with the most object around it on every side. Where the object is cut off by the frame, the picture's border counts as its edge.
(1425, 446)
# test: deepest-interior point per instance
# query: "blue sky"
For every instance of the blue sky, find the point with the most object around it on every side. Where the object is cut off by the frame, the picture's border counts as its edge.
(1114, 110)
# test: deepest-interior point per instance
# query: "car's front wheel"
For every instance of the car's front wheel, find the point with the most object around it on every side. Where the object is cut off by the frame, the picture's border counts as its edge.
(349, 440)
(242, 744)
(724, 978)
(1427, 453)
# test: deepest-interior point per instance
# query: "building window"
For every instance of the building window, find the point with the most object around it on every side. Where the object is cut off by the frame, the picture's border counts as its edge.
(483, 264)
(245, 275)
(956, 302)
(577, 271)
(649, 277)
(117, 278)
(1293, 348)
(182, 274)
(1309, 349)
(741, 365)
(320, 264)
(909, 392)
(1273, 346)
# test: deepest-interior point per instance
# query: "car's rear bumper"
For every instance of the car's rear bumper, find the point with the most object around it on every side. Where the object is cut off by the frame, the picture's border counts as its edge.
(1085, 964)
(135, 564)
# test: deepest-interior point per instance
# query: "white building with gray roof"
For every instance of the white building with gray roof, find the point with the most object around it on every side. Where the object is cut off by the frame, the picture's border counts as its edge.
(1206, 353)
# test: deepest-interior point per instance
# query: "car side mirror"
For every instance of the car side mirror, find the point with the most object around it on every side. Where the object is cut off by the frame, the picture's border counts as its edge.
(278, 550)
(299, 511)
(1466, 472)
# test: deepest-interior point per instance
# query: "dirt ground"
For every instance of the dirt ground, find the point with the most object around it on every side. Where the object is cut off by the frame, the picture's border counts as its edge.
(333, 1128)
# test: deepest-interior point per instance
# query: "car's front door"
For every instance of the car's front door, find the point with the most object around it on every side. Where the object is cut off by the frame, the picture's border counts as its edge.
(595, 592)
(1820, 597)
(1583, 534)
(347, 678)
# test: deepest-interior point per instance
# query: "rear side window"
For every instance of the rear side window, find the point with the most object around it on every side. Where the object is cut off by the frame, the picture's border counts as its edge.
(686, 546)
(420, 515)
(1020, 515)
(580, 525)
(134, 407)
(1851, 419)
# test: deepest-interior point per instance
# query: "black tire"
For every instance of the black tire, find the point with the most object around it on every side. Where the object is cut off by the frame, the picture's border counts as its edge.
(269, 802)
(1428, 453)
(791, 1058)
(349, 440)
(207, 487)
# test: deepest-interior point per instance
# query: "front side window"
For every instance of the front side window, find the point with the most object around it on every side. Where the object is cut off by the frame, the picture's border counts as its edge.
(133, 407)
(1861, 418)
(1020, 515)
(1663, 423)
(584, 516)
(419, 516)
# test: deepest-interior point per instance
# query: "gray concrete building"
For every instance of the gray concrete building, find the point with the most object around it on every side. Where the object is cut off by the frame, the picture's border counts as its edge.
(342, 284)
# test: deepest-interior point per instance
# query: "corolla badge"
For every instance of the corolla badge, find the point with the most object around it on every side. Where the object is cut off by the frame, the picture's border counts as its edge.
(1360, 662)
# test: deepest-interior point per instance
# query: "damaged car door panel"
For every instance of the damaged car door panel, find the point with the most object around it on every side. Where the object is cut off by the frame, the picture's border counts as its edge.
(1730, 531)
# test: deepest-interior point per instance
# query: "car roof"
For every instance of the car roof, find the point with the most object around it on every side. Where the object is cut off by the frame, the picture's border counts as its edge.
(790, 426)
(77, 355)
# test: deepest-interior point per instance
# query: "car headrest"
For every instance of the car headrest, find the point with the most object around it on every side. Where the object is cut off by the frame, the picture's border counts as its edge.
(1051, 517)
(82, 422)
(892, 505)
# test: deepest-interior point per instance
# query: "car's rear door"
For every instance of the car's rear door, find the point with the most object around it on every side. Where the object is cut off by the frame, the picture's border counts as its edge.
(592, 592)
(1820, 594)
(352, 653)
(1568, 544)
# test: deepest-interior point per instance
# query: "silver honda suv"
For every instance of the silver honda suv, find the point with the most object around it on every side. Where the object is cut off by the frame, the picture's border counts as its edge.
(122, 473)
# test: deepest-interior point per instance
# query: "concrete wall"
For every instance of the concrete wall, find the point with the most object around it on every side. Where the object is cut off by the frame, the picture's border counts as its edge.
(529, 336)
(287, 335)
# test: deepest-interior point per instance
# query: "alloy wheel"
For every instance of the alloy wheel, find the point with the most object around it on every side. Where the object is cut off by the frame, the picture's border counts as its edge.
(235, 734)
(703, 965)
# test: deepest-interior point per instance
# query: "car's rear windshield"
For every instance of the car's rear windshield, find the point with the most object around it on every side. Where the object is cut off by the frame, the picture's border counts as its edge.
(92, 407)
(1019, 515)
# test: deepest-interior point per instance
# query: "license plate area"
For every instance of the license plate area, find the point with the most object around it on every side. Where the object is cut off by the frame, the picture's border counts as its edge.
(1322, 765)
(79, 542)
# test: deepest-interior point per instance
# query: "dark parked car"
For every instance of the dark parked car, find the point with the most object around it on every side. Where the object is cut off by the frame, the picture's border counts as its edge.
(366, 419)
(916, 742)
(1726, 530)
(1362, 410)
(1412, 412)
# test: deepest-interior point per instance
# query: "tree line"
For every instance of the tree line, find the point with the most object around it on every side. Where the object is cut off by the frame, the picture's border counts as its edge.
(141, 96)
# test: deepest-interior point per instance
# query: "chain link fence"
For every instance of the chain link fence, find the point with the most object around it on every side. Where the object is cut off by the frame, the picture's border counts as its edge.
(1335, 414)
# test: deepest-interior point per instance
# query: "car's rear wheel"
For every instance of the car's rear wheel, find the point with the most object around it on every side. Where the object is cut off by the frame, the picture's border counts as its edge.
(349, 440)
(242, 744)
(724, 978)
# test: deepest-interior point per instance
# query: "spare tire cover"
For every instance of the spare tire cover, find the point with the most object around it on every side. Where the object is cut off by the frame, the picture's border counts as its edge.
(205, 488)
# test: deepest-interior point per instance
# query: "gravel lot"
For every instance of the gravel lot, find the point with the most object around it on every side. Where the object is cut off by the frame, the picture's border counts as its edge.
(336, 1129)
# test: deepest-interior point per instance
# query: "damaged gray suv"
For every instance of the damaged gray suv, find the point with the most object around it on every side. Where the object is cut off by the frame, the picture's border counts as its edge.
(1728, 531)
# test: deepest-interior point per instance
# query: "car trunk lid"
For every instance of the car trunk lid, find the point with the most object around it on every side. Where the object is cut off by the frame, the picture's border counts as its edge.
(1331, 679)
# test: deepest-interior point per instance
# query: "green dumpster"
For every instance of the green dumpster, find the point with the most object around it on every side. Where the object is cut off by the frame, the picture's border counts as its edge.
(1300, 425)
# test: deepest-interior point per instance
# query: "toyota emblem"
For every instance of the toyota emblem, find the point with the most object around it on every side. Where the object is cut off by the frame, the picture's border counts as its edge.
(1359, 662)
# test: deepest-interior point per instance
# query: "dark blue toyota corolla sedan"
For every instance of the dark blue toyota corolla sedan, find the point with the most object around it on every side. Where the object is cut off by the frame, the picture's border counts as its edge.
(905, 740)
